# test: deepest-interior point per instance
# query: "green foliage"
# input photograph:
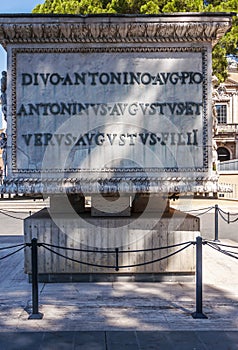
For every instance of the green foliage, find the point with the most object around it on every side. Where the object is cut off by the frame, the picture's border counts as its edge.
(222, 6)
(227, 45)
(57, 7)
(119, 6)
(150, 7)
(183, 6)
(219, 63)
(116, 6)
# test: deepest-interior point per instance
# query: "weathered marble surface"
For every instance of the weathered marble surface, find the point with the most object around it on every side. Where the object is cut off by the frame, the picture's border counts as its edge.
(104, 234)
(110, 103)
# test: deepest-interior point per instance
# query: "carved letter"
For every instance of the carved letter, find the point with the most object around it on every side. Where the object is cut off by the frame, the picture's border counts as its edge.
(144, 137)
(26, 79)
(27, 138)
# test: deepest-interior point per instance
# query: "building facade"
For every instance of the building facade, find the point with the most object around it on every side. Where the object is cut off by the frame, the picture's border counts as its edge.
(225, 98)
(226, 103)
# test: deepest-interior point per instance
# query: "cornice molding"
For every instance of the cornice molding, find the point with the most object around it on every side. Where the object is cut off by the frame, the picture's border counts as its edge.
(128, 185)
(112, 29)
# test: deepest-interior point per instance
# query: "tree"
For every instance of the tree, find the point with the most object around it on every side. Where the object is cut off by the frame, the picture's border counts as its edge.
(183, 6)
(58, 6)
(118, 6)
(227, 45)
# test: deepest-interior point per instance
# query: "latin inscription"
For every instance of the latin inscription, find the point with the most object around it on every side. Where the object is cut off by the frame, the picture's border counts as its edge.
(106, 109)
(141, 108)
(101, 138)
(104, 78)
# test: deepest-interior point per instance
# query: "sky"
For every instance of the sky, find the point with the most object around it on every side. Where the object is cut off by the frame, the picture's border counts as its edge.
(15, 6)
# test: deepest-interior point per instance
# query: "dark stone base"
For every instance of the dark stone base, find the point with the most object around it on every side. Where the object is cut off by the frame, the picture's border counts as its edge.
(114, 277)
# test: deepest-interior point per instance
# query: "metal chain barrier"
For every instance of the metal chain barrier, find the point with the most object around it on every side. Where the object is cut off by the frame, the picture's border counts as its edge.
(13, 246)
(34, 257)
(229, 250)
(218, 247)
(218, 212)
(9, 215)
(116, 252)
(197, 212)
(10, 211)
(198, 314)
(22, 246)
(228, 219)
(221, 212)
(113, 251)
(204, 211)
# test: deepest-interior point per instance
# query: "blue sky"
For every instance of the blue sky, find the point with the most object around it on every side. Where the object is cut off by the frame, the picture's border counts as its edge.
(15, 6)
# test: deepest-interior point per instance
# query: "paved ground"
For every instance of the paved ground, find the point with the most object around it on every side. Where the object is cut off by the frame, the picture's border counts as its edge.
(131, 340)
(123, 315)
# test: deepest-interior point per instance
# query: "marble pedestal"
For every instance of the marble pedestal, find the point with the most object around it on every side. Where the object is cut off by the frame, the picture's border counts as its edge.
(140, 231)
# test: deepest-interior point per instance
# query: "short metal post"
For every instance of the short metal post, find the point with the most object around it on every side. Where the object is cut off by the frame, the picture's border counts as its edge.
(198, 313)
(216, 223)
(34, 265)
(117, 259)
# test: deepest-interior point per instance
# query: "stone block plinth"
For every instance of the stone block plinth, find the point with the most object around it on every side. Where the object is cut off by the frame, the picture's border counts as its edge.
(97, 239)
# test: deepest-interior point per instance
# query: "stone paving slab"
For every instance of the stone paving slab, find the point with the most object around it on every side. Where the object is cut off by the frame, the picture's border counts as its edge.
(129, 340)
(70, 310)
(121, 305)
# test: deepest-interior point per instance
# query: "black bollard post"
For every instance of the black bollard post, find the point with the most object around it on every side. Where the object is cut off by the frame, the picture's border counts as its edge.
(36, 315)
(198, 313)
(216, 223)
(117, 251)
